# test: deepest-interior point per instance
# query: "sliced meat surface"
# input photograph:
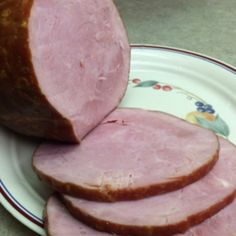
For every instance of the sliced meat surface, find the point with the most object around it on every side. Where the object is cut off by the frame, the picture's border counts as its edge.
(132, 154)
(222, 224)
(167, 214)
(64, 66)
(59, 222)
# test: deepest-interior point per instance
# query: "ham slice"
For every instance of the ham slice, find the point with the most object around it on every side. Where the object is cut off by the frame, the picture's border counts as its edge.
(132, 154)
(167, 214)
(64, 66)
(58, 222)
(222, 224)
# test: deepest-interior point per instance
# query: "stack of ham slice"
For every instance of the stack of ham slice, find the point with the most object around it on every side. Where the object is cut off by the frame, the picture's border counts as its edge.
(64, 69)
(132, 154)
(60, 223)
(141, 173)
(203, 208)
(169, 213)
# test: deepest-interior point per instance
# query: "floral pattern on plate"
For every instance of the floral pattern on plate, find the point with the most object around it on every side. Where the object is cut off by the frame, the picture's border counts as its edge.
(203, 114)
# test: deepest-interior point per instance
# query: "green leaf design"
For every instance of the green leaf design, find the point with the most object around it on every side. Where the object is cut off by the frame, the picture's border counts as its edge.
(147, 83)
(218, 125)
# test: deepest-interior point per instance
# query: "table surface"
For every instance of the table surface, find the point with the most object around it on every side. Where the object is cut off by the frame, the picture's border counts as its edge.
(204, 26)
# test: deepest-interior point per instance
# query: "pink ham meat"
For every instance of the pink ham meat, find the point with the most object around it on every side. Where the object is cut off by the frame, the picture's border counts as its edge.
(222, 224)
(64, 66)
(167, 214)
(132, 154)
(59, 222)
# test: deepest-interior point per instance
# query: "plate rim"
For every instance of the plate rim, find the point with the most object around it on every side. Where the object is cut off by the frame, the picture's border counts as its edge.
(21, 214)
(29, 220)
(204, 57)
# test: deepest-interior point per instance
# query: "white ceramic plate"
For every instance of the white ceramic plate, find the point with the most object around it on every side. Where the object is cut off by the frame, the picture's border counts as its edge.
(188, 85)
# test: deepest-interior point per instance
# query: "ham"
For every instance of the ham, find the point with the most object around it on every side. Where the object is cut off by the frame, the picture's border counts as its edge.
(64, 66)
(166, 214)
(222, 224)
(132, 154)
(58, 222)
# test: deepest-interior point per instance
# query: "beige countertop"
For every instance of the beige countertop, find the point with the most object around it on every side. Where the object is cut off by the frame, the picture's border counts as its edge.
(204, 26)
